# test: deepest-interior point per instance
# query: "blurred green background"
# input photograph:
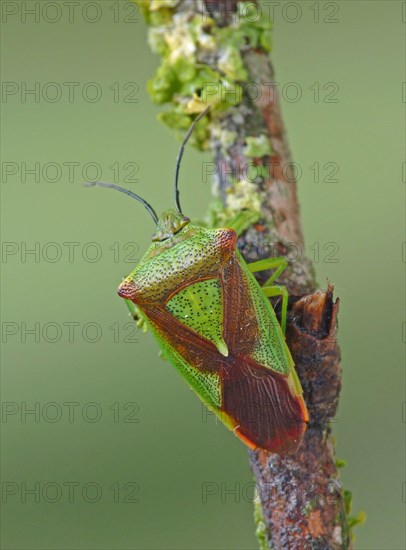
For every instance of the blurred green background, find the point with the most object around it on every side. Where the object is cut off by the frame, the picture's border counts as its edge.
(120, 452)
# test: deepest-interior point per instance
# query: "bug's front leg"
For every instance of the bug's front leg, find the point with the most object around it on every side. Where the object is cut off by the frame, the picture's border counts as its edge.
(279, 264)
(135, 314)
(132, 310)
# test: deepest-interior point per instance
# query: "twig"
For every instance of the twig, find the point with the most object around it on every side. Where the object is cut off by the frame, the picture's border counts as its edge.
(303, 504)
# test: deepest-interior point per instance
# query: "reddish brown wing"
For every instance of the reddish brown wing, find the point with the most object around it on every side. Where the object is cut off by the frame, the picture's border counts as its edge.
(268, 415)
(265, 412)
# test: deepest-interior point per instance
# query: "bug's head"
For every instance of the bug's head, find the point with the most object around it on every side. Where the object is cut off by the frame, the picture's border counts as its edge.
(169, 224)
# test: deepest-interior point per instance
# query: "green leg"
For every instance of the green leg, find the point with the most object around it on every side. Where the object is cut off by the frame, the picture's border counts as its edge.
(135, 314)
(279, 290)
(242, 221)
(279, 264)
(132, 310)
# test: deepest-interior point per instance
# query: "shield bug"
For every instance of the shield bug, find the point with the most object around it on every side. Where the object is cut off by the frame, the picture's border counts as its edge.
(216, 325)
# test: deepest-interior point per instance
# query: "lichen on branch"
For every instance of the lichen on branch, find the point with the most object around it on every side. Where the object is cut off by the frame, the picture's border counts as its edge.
(201, 62)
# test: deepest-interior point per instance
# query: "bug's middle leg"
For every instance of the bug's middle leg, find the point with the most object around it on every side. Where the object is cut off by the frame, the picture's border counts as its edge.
(279, 264)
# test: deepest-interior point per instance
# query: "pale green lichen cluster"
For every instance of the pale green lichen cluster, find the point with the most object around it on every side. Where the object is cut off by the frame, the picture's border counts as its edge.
(352, 521)
(260, 528)
(201, 62)
(243, 195)
(257, 147)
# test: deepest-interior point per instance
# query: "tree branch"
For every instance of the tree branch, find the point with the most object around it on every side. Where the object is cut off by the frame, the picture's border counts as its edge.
(303, 504)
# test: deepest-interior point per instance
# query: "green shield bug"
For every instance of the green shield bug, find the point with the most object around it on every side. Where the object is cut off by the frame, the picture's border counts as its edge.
(216, 325)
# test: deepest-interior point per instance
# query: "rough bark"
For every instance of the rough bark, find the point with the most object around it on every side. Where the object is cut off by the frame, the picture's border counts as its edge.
(301, 496)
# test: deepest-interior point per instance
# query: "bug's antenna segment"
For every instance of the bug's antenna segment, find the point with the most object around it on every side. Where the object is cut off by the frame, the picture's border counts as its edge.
(180, 155)
(127, 192)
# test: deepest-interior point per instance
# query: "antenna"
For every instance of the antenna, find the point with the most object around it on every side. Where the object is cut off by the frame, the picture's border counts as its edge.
(180, 155)
(127, 192)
